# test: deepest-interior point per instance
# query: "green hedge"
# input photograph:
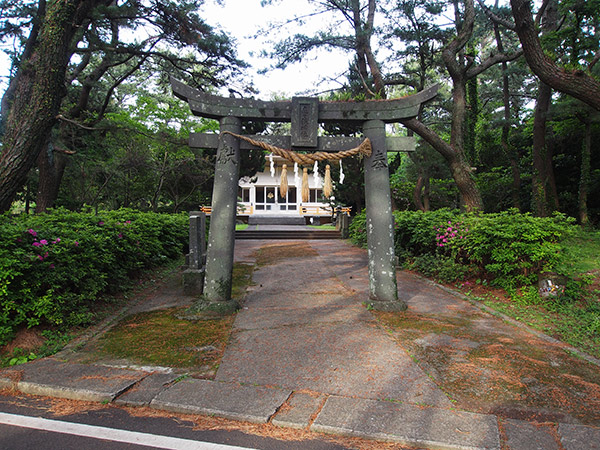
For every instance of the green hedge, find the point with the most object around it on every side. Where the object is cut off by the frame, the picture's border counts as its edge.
(509, 249)
(54, 266)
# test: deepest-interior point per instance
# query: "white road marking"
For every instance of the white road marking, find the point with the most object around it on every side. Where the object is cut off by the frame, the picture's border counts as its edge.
(111, 434)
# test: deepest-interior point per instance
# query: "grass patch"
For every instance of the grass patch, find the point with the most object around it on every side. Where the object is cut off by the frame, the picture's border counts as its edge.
(583, 251)
(241, 226)
(326, 226)
(159, 338)
(576, 323)
(241, 279)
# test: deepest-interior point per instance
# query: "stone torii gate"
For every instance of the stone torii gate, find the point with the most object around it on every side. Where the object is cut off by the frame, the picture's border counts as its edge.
(305, 114)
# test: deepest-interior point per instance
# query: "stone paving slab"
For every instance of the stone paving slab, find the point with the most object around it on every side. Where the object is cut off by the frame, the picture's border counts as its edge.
(299, 410)
(294, 299)
(244, 250)
(229, 400)
(297, 276)
(53, 378)
(348, 359)
(408, 424)
(168, 296)
(143, 392)
(312, 333)
(579, 437)
(522, 435)
(418, 293)
(349, 265)
(280, 317)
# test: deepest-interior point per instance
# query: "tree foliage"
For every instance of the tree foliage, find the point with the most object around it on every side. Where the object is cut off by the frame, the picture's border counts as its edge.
(577, 78)
(83, 44)
(114, 136)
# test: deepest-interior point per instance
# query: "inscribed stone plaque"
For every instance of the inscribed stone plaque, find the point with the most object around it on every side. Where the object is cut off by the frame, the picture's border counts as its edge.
(305, 112)
(379, 160)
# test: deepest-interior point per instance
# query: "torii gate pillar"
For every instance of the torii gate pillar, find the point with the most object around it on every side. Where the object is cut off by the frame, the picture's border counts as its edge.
(221, 235)
(383, 291)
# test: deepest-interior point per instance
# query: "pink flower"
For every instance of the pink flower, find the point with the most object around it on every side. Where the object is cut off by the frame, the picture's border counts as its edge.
(36, 244)
(100, 223)
(51, 266)
(56, 241)
(44, 242)
(32, 232)
(40, 257)
(120, 235)
(76, 244)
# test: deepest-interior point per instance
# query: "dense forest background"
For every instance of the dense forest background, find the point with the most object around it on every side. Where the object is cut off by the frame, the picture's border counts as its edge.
(88, 119)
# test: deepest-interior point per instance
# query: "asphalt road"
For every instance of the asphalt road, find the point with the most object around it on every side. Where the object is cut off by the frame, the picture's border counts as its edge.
(27, 423)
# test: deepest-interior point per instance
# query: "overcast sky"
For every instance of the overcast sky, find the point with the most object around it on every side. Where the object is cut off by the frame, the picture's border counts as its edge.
(242, 19)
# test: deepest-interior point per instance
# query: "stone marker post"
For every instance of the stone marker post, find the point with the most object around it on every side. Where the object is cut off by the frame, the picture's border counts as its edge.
(221, 237)
(193, 276)
(383, 292)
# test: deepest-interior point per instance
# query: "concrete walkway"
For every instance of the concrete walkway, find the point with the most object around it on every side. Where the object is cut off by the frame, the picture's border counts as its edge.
(305, 353)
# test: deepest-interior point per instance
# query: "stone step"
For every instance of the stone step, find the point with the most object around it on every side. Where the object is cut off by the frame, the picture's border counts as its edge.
(288, 234)
(276, 220)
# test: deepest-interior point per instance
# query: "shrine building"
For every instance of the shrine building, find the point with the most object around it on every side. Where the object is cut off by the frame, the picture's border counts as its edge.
(260, 195)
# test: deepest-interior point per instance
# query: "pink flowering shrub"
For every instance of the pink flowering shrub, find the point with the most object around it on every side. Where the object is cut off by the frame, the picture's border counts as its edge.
(54, 266)
(450, 235)
(450, 240)
(509, 248)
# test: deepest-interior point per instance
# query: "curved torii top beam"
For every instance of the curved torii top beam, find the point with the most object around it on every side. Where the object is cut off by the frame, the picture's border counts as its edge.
(216, 107)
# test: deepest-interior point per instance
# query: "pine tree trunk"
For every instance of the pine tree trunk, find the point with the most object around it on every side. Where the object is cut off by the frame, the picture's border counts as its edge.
(516, 180)
(469, 192)
(38, 94)
(417, 193)
(471, 121)
(426, 190)
(51, 166)
(539, 175)
(584, 179)
(551, 190)
(509, 151)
